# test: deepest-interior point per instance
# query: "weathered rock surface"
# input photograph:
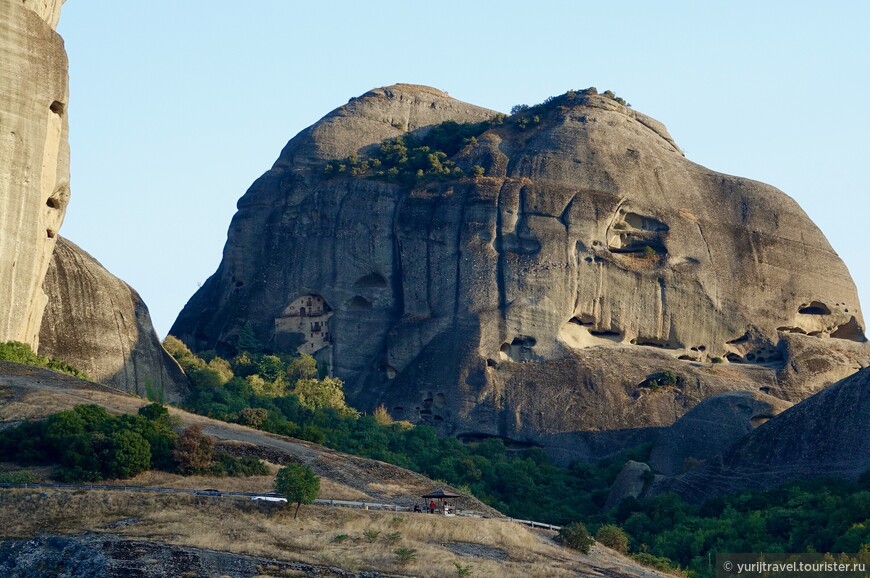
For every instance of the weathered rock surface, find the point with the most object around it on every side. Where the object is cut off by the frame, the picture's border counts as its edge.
(630, 483)
(711, 428)
(826, 435)
(99, 324)
(537, 302)
(48, 10)
(107, 556)
(34, 156)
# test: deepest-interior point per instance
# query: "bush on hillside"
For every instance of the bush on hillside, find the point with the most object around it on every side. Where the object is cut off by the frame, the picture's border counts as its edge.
(576, 536)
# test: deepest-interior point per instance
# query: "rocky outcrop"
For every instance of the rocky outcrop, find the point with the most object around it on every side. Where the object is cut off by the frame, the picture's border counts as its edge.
(34, 156)
(710, 429)
(541, 293)
(99, 324)
(826, 435)
(630, 483)
(102, 555)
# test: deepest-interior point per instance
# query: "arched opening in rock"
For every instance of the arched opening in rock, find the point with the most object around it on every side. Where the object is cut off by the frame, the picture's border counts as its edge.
(50, 233)
(814, 308)
(642, 248)
(660, 343)
(577, 332)
(372, 280)
(57, 107)
(734, 358)
(851, 331)
(359, 303)
(605, 334)
(644, 223)
(52, 203)
(519, 349)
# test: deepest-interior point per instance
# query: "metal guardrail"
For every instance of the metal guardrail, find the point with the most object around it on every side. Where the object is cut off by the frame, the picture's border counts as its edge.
(222, 494)
(534, 524)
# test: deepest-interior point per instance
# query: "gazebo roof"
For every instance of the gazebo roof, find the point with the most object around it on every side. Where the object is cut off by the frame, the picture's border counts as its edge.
(440, 493)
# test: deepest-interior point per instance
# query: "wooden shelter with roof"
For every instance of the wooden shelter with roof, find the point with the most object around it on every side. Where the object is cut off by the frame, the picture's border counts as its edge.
(442, 496)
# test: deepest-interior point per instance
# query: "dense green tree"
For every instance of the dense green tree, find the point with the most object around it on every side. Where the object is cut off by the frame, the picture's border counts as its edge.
(130, 454)
(297, 483)
(322, 393)
(302, 367)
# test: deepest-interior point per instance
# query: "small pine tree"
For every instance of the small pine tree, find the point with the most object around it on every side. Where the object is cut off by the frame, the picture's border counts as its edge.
(405, 556)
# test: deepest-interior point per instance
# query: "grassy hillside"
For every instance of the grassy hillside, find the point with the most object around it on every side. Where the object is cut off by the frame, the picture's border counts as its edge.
(353, 540)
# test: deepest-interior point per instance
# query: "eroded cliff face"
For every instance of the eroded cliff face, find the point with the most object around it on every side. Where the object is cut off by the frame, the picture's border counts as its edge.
(543, 300)
(99, 324)
(34, 156)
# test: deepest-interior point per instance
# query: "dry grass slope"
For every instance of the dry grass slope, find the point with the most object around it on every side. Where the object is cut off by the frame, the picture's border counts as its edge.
(243, 527)
(322, 535)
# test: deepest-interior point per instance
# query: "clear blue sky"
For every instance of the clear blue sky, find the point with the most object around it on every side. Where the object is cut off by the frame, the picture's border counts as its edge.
(176, 107)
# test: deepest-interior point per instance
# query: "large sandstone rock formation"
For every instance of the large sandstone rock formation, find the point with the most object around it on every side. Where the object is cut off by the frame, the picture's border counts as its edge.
(542, 301)
(827, 435)
(34, 159)
(99, 324)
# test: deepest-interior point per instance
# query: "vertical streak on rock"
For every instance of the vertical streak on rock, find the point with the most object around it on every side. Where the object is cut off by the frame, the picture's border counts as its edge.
(499, 248)
(460, 226)
(662, 312)
(398, 281)
(714, 295)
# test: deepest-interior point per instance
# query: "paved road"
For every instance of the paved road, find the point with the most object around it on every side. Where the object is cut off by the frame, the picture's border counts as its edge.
(210, 493)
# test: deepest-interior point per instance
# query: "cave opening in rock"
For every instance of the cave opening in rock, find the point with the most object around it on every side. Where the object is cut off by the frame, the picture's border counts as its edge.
(373, 280)
(57, 107)
(815, 308)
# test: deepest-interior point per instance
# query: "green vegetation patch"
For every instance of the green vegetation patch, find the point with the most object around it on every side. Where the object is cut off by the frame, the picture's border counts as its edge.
(87, 444)
(410, 157)
(17, 352)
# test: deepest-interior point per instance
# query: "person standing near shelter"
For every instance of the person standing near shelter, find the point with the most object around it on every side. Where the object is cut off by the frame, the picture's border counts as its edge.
(432, 507)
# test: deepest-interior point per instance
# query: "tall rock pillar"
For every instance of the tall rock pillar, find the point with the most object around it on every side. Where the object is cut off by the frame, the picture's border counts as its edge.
(34, 159)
